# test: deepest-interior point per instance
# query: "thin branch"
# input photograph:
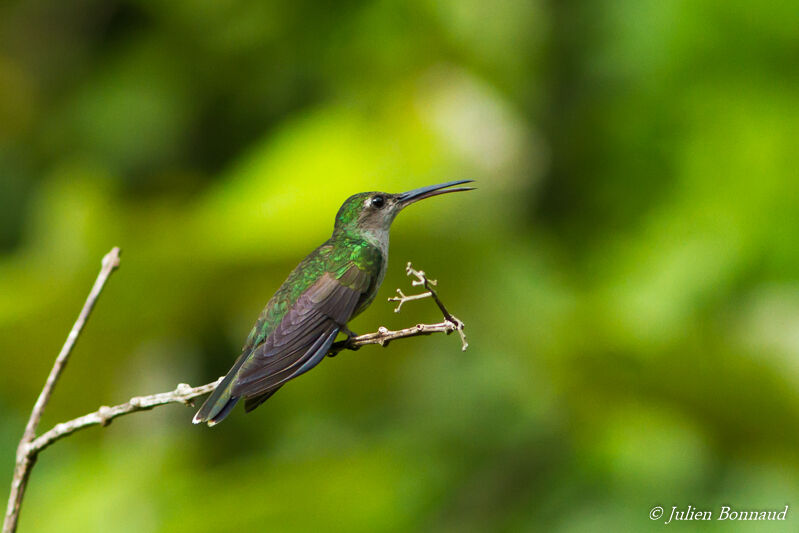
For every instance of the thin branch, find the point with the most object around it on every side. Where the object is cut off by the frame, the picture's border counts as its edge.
(110, 263)
(402, 298)
(25, 457)
(383, 336)
(421, 279)
(183, 394)
(30, 445)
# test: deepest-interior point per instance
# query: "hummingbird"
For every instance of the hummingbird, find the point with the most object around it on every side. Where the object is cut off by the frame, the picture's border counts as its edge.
(333, 284)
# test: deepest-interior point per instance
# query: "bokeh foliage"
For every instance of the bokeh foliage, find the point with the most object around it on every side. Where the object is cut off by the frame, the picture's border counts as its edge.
(627, 270)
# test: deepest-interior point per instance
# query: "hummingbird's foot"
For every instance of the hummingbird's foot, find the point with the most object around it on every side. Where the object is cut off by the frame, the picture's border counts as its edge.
(348, 332)
(339, 345)
(351, 335)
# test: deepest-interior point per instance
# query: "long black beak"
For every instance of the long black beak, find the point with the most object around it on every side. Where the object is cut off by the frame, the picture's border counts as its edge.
(421, 193)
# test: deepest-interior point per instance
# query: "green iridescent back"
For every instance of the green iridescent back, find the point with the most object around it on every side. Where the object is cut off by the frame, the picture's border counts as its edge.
(335, 256)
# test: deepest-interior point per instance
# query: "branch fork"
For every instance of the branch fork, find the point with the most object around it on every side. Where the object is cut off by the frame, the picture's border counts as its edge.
(455, 324)
(383, 336)
(27, 451)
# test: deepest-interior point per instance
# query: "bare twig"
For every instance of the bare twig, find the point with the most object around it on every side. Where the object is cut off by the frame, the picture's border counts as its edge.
(26, 458)
(183, 394)
(421, 279)
(401, 298)
(30, 445)
(383, 336)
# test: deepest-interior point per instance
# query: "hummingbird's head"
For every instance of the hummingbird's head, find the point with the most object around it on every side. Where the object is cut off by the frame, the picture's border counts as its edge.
(371, 213)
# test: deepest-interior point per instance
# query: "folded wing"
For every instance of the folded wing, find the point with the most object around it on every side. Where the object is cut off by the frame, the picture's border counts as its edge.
(304, 335)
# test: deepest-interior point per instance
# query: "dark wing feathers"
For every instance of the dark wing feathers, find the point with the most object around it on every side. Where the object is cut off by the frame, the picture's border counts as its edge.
(295, 331)
(255, 401)
(304, 335)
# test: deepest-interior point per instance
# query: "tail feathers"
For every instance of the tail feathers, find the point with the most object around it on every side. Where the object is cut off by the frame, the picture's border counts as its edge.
(221, 415)
(219, 403)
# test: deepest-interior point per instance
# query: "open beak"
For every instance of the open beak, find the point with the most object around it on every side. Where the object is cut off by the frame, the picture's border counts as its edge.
(407, 198)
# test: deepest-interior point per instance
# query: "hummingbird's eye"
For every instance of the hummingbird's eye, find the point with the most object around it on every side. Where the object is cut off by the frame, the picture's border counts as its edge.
(378, 202)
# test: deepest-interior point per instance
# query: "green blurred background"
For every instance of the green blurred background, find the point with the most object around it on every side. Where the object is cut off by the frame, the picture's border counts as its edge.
(628, 269)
